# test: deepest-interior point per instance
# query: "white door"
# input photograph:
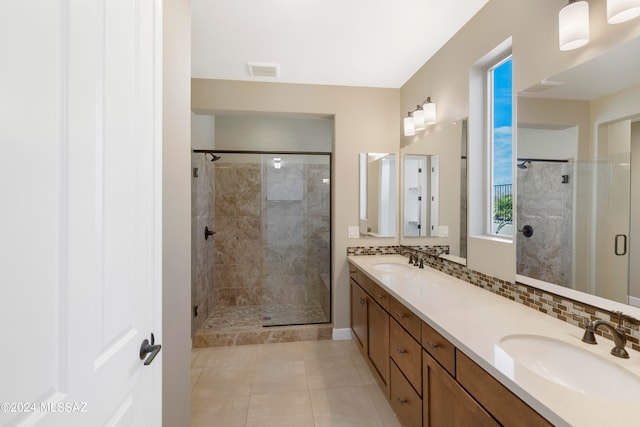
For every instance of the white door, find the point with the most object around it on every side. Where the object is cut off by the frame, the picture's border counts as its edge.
(80, 191)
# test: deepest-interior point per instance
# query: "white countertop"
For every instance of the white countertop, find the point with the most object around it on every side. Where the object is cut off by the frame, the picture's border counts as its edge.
(475, 320)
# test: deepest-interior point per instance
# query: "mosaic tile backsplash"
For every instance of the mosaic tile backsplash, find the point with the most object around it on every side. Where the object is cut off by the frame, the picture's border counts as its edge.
(562, 308)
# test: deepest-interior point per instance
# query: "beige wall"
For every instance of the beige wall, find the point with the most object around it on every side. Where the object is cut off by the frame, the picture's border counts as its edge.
(365, 120)
(533, 28)
(277, 133)
(176, 215)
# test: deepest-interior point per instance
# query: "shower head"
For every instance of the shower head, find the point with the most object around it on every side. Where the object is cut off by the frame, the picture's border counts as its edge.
(214, 157)
(523, 165)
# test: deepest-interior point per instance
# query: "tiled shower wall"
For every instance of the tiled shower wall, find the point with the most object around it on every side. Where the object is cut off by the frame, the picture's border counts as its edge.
(545, 202)
(202, 251)
(272, 245)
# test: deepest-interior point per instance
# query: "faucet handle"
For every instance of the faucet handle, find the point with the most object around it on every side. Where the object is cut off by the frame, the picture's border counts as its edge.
(619, 313)
(626, 318)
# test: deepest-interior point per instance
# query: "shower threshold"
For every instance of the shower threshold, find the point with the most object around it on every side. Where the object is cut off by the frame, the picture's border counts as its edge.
(246, 325)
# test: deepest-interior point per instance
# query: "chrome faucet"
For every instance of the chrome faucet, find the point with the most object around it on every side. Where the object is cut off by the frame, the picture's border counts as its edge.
(619, 336)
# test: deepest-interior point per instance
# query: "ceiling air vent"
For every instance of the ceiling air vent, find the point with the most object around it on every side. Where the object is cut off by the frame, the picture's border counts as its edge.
(264, 69)
(543, 86)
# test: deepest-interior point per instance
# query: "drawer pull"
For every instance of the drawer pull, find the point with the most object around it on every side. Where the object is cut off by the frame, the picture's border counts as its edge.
(402, 401)
(380, 296)
(401, 351)
(400, 316)
(432, 345)
(362, 301)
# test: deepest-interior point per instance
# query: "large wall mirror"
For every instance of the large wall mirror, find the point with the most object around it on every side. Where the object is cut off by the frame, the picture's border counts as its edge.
(378, 195)
(576, 216)
(434, 190)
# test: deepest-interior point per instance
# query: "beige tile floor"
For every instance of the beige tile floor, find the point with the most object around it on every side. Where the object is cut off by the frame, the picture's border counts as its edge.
(311, 383)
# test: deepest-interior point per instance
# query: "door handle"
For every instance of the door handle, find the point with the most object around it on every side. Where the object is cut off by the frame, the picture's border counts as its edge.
(617, 246)
(150, 349)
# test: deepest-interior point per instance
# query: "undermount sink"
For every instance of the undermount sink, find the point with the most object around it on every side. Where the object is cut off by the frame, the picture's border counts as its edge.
(391, 267)
(570, 366)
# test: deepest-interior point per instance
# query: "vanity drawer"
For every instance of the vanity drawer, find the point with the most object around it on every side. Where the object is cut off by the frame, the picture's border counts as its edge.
(404, 400)
(377, 293)
(405, 317)
(381, 296)
(406, 352)
(505, 406)
(439, 348)
(364, 281)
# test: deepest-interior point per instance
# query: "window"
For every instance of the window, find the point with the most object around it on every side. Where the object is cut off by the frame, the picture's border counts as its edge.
(500, 147)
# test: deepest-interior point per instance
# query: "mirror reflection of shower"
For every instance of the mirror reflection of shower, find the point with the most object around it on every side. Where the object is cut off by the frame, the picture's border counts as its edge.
(524, 164)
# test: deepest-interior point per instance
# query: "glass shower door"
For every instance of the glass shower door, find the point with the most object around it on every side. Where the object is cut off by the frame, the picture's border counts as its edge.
(296, 248)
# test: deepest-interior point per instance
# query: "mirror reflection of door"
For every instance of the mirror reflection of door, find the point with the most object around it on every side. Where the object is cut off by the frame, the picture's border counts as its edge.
(415, 195)
(377, 195)
(421, 195)
(613, 205)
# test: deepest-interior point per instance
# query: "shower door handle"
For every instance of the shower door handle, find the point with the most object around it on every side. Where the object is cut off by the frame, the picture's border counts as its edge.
(616, 247)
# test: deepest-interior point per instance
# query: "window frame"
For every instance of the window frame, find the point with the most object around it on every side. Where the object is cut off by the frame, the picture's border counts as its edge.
(491, 64)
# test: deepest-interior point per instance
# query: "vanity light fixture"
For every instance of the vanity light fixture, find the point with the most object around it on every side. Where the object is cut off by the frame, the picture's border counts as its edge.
(409, 126)
(573, 20)
(429, 109)
(622, 10)
(419, 118)
(573, 25)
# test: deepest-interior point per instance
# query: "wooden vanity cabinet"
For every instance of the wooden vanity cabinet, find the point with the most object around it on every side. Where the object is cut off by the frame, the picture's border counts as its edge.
(505, 406)
(378, 339)
(445, 403)
(406, 352)
(428, 381)
(404, 399)
(370, 326)
(359, 315)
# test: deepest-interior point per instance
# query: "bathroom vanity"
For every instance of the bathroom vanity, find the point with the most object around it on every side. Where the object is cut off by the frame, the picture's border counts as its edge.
(448, 353)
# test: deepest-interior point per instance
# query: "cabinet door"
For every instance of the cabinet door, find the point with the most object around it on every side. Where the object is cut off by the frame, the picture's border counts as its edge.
(445, 403)
(379, 340)
(505, 406)
(359, 315)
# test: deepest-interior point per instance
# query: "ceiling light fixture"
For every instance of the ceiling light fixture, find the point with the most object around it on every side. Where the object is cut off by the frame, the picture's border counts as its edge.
(622, 10)
(573, 25)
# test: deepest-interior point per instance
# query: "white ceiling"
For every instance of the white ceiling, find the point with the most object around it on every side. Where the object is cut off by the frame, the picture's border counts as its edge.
(374, 43)
(610, 72)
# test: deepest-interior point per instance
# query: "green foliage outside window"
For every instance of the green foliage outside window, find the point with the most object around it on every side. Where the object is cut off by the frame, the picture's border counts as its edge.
(502, 208)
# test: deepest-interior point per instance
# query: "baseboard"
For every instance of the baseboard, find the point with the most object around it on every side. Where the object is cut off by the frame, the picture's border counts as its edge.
(634, 301)
(341, 334)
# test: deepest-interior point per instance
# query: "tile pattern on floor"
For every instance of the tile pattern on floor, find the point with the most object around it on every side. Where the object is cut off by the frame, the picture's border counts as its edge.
(307, 383)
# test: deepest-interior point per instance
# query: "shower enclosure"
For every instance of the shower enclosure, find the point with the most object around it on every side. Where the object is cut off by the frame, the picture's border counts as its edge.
(268, 263)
